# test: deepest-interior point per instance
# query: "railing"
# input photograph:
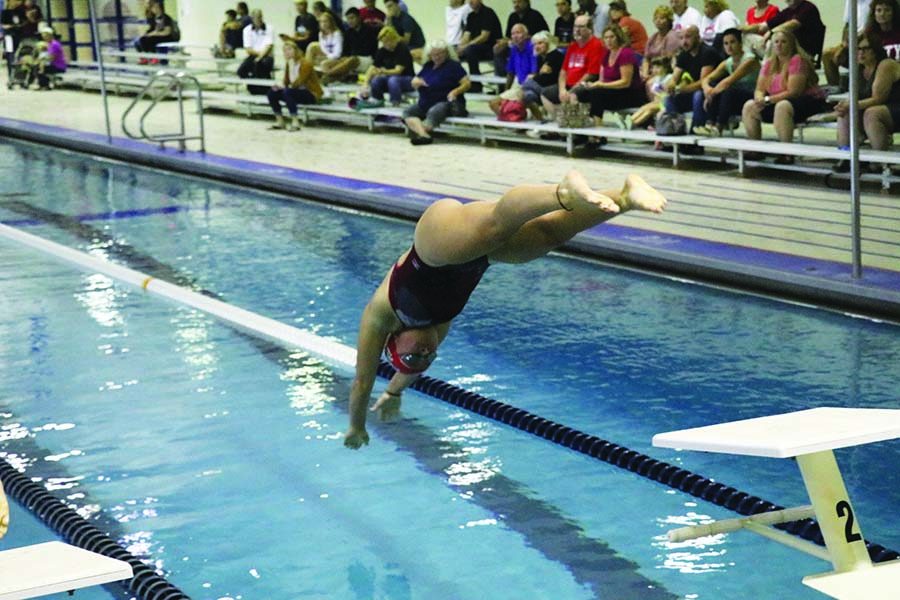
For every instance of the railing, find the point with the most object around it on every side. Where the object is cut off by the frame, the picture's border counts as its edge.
(174, 83)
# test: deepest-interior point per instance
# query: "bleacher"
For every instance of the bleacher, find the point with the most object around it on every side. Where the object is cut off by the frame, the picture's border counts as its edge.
(228, 92)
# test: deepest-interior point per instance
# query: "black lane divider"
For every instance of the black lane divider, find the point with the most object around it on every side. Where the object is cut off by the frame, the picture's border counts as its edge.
(146, 583)
(668, 474)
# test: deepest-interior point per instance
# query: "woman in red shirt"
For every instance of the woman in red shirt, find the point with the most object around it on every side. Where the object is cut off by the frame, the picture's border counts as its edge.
(761, 12)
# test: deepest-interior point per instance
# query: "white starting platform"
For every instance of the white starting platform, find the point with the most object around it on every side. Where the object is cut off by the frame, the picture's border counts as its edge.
(53, 567)
(810, 436)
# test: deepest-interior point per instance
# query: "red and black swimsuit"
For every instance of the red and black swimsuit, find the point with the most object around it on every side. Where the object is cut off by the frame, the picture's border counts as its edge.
(422, 295)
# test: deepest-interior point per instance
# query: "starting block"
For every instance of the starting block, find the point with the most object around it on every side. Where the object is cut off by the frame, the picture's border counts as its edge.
(43, 569)
(810, 436)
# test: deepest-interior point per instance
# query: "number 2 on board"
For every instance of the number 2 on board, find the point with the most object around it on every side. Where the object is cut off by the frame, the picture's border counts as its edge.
(843, 507)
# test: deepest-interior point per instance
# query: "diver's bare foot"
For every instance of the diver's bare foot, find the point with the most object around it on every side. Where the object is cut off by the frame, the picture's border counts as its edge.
(574, 190)
(640, 195)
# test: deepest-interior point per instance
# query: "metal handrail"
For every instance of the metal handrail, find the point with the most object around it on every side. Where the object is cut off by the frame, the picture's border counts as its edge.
(175, 84)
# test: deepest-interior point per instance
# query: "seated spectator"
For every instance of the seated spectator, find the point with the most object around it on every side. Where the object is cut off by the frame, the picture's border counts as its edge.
(879, 96)
(664, 42)
(786, 92)
(760, 12)
(441, 84)
(695, 61)
(521, 13)
(634, 30)
(884, 20)
(728, 87)
(481, 33)
(661, 71)
(454, 21)
(802, 19)
(392, 70)
(564, 25)
(231, 36)
(319, 8)
(306, 26)
(549, 64)
(599, 14)
(717, 18)
(330, 47)
(52, 60)
(243, 13)
(521, 64)
(684, 16)
(161, 29)
(619, 84)
(359, 46)
(258, 41)
(299, 85)
(837, 56)
(407, 27)
(579, 68)
(372, 16)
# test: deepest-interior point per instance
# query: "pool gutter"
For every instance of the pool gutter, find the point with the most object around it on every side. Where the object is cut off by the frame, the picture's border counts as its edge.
(822, 283)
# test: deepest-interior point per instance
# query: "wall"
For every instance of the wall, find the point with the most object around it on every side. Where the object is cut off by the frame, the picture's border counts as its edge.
(200, 19)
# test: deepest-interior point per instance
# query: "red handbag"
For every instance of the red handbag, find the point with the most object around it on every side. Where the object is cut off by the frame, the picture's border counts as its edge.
(512, 110)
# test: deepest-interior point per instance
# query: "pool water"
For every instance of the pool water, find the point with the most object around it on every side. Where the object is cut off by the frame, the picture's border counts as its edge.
(219, 458)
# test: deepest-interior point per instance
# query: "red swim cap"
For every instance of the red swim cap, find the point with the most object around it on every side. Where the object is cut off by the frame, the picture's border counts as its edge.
(403, 359)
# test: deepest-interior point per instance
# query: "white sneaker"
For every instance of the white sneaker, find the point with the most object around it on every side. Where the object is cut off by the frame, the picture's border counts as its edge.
(534, 134)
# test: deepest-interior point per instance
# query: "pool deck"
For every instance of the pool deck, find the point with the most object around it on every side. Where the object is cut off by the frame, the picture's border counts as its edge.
(785, 238)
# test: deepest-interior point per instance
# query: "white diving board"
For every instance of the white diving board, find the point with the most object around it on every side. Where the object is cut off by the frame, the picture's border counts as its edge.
(53, 567)
(810, 436)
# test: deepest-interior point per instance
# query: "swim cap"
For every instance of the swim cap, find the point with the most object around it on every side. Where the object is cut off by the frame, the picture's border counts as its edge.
(403, 359)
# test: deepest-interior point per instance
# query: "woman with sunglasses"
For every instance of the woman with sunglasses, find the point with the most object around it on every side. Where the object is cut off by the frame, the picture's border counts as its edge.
(409, 314)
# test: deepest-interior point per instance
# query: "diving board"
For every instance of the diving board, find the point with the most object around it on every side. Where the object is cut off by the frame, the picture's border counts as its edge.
(810, 436)
(53, 567)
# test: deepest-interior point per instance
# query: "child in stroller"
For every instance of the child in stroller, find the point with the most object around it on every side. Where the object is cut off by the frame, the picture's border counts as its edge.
(38, 60)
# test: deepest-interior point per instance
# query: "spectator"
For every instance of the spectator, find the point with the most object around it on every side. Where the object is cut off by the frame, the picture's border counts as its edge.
(619, 85)
(11, 21)
(231, 36)
(306, 26)
(786, 92)
(299, 85)
(55, 60)
(330, 47)
(31, 23)
(581, 63)
(161, 29)
(661, 72)
(634, 30)
(801, 17)
(884, 20)
(717, 18)
(760, 12)
(481, 32)
(549, 64)
(521, 64)
(664, 42)
(243, 14)
(695, 61)
(392, 70)
(407, 27)
(371, 16)
(837, 56)
(728, 87)
(684, 16)
(564, 25)
(441, 84)
(599, 14)
(524, 14)
(359, 46)
(455, 17)
(258, 40)
(879, 97)
(319, 9)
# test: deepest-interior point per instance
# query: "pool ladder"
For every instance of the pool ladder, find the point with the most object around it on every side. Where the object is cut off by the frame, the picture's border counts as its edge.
(165, 84)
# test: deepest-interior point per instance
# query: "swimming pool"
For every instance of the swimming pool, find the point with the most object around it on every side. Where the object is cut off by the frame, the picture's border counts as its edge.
(219, 458)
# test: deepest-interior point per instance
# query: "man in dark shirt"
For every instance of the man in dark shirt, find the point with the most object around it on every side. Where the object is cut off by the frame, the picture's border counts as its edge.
(802, 18)
(360, 44)
(695, 61)
(564, 27)
(161, 29)
(306, 26)
(524, 14)
(407, 27)
(482, 30)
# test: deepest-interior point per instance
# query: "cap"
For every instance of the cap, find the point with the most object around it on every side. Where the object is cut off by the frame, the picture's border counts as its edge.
(406, 362)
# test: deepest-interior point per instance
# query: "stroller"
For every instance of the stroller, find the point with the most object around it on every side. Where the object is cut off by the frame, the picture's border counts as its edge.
(23, 65)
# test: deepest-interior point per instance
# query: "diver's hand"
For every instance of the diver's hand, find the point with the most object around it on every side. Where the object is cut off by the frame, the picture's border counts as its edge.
(356, 438)
(387, 406)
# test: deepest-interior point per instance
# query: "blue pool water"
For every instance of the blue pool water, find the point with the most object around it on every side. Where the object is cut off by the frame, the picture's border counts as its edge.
(219, 459)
